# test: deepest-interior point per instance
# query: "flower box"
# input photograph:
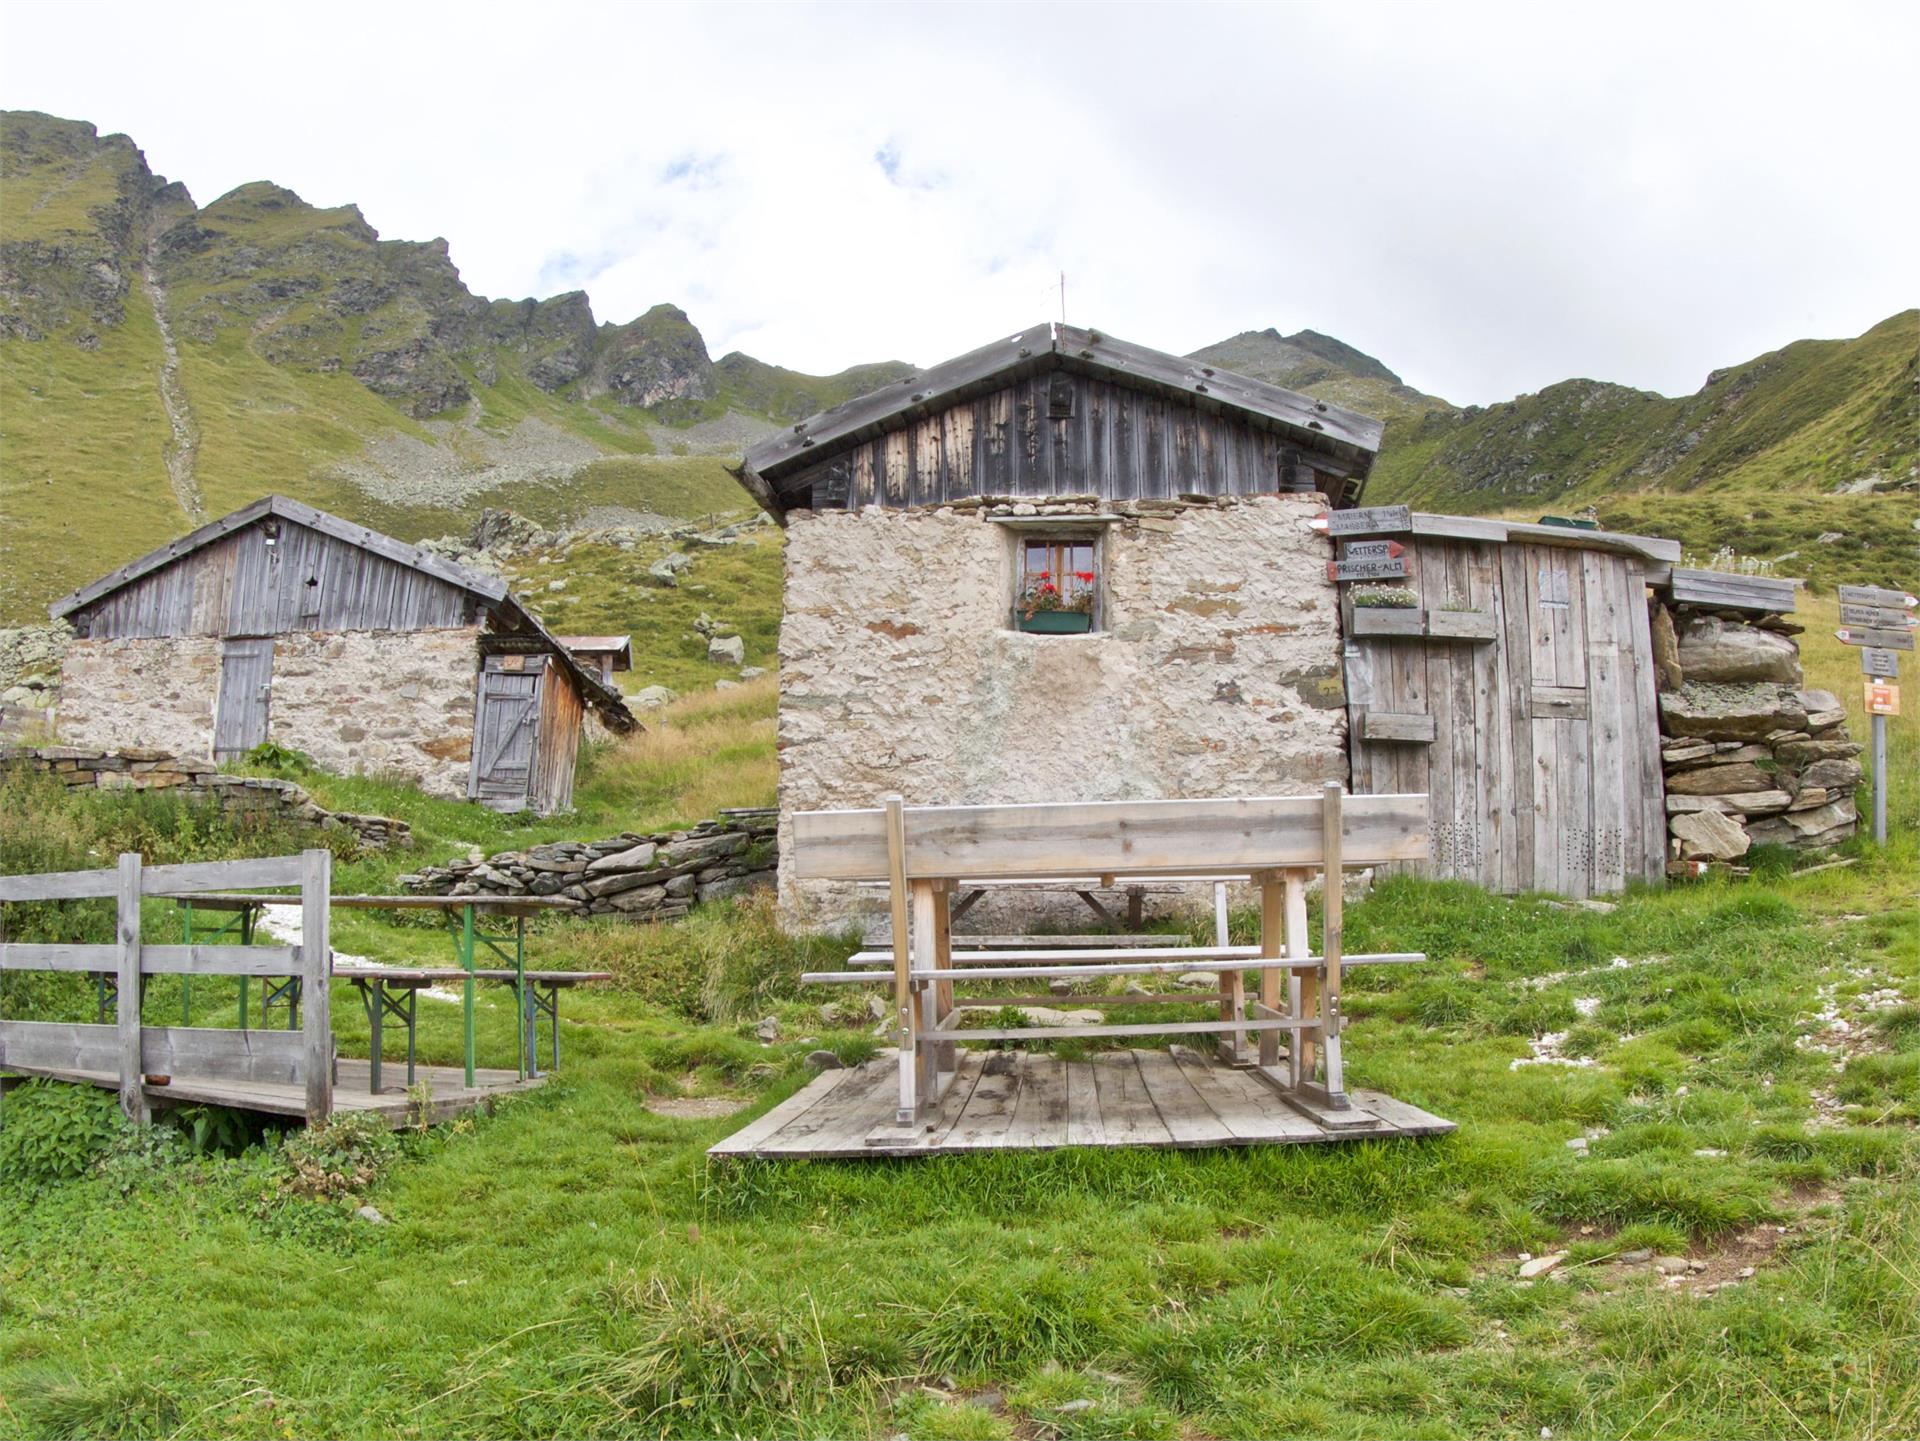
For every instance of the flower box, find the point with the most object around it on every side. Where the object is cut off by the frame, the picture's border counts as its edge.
(1055, 622)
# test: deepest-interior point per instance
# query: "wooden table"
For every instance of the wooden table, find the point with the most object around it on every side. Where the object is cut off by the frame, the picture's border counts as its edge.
(462, 915)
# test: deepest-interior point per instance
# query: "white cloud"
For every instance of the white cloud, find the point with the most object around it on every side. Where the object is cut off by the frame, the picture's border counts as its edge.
(1487, 198)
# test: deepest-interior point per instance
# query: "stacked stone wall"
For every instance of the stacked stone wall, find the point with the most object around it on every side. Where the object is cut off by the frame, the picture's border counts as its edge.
(641, 877)
(140, 769)
(1751, 757)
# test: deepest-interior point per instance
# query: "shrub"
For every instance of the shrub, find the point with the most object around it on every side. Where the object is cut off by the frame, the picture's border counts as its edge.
(55, 1131)
(342, 1157)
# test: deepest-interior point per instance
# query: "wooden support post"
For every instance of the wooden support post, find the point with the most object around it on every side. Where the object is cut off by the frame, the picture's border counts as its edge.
(1271, 912)
(943, 960)
(1299, 946)
(902, 991)
(316, 977)
(133, 1099)
(926, 1044)
(1233, 1007)
(1332, 901)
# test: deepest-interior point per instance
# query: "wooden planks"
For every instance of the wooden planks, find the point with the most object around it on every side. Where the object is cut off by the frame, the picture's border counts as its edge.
(1006, 1100)
(1731, 592)
(1113, 837)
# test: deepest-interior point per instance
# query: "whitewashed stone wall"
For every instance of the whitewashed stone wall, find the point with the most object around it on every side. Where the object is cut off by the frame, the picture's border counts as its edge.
(396, 703)
(369, 702)
(1217, 672)
(156, 692)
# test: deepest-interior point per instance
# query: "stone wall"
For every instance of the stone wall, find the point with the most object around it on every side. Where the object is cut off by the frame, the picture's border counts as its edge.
(156, 692)
(1750, 756)
(1216, 671)
(391, 703)
(396, 703)
(136, 769)
(642, 877)
(30, 657)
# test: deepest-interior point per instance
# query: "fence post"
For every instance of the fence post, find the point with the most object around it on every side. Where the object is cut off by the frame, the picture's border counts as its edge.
(316, 981)
(133, 1099)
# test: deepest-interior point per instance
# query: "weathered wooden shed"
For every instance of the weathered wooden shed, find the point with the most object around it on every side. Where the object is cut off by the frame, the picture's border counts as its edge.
(282, 623)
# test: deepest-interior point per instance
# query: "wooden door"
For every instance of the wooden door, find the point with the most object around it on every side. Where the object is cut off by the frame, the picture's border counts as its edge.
(1531, 724)
(505, 734)
(246, 685)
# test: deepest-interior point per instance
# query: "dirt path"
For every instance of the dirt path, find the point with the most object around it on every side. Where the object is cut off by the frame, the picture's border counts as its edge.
(182, 444)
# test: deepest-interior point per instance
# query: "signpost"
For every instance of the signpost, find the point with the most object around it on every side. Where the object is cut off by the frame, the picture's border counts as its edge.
(1372, 550)
(1338, 570)
(1371, 521)
(1877, 620)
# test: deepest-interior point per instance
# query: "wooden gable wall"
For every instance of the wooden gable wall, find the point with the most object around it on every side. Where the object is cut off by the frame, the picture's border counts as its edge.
(1063, 434)
(240, 585)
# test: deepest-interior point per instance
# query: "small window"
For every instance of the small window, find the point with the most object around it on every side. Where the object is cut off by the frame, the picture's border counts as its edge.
(1056, 588)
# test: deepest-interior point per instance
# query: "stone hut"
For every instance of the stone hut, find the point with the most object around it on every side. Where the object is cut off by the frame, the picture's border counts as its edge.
(1060, 567)
(282, 623)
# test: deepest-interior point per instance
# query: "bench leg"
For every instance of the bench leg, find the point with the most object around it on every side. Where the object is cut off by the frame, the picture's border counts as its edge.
(374, 1018)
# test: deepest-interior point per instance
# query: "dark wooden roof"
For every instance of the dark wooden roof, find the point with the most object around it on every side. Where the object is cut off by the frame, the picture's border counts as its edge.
(489, 589)
(1312, 425)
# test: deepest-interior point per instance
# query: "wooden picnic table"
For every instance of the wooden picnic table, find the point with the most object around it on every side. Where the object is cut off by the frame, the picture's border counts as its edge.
(463, 915)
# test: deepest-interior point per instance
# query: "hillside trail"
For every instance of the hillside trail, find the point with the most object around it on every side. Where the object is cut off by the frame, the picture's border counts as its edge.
(182, 446)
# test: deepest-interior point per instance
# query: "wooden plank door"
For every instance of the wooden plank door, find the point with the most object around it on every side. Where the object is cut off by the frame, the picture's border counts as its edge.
(246, 684)
(505, 735)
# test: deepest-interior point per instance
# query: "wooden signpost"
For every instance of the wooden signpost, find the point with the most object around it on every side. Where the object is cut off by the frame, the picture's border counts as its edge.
(1878, 621)
(1374, 520)
(1339, 570)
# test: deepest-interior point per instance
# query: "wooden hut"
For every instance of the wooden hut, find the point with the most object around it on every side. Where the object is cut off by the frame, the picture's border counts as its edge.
(280, 623)
(1215, 647)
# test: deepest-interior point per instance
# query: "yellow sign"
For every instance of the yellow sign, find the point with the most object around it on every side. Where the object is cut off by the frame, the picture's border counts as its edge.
(1883, 698)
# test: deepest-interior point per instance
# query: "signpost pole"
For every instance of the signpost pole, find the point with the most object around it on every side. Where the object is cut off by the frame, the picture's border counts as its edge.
(1880, 780)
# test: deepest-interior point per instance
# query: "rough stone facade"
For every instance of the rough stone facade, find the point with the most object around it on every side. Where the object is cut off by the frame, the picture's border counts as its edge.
(640, 877)
(395, 703)
(154, 691)
(137, 769)
(1215, 670)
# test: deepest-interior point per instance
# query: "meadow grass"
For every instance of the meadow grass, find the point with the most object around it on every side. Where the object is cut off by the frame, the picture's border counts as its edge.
(573, 1265)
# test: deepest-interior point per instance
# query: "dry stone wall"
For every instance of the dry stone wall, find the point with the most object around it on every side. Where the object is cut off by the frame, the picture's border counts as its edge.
(1750, 756)
(1215, 670)
(641, 877)
(139, 769)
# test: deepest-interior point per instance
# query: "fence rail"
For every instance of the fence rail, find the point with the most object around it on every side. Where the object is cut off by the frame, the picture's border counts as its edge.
(130, 1050)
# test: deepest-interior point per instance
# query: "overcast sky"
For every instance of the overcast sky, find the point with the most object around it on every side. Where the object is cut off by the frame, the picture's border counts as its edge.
(1487, 198)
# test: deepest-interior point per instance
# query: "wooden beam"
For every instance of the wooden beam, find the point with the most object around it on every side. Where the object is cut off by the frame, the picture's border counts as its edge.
(1332, 903)
(133, 1098)
(316, 976)
(1126, 838)
(893, 819)
(1381, 725)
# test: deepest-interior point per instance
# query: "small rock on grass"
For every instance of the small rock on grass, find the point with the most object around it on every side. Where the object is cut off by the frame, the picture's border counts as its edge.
(768, 1029)
(370, 1215)
(1670, 1265)
(1541, 1265)
(1074, 1408)
(823, 1061)
(1579, 1143)
(1636, 1258)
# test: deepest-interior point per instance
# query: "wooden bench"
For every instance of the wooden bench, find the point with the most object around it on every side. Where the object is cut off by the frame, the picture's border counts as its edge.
(925, 854)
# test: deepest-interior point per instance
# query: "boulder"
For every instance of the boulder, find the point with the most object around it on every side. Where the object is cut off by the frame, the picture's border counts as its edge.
(1717, 651)
(727, 650)
(651, 697)
(1720, 780)
(1834, 775)
(669, 566)
(1709, 836)
(1731, 712)
(1666, 650)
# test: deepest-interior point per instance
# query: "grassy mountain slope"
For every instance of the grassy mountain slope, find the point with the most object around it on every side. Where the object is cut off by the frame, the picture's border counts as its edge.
(1817, 417)
(1328, 369)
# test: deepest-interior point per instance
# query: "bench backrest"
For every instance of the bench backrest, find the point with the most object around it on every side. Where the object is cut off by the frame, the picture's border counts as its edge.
(1094, 838)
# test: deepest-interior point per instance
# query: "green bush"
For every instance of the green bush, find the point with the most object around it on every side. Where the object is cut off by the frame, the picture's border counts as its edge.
(55, 1131)
(340, 1158)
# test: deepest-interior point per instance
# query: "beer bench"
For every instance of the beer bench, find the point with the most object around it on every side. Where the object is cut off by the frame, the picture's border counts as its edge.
(926, 854)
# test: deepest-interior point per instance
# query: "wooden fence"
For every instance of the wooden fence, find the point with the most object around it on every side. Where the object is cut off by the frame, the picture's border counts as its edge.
(133, 1051)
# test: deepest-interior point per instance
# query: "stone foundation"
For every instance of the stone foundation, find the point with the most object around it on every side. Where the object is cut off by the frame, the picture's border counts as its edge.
(642, 877)
(1215, 671)
(1750, 757)
(135, 769)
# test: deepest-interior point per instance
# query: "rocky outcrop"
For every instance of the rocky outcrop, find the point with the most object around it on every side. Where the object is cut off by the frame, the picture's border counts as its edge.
(1750, 757)
(131, 768)
(642, 877)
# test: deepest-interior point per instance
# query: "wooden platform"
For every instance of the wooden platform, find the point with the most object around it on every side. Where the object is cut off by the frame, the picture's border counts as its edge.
(451, 1097)
(1017, 1100)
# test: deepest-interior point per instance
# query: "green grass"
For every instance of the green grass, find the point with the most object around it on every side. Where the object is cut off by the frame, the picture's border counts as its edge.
(572, 1265)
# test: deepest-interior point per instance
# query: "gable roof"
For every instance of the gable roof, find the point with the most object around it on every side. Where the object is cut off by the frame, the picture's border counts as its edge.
(1312, 425)
(488, 588)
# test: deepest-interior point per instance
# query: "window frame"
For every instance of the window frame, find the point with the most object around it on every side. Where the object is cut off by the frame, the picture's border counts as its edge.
(1056, 539)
